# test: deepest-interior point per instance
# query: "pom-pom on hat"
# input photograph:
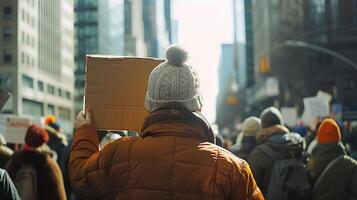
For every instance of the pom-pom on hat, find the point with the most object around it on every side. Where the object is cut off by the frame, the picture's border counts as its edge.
(328, 132)
(35, 136)
(50, 119)
(174, 81)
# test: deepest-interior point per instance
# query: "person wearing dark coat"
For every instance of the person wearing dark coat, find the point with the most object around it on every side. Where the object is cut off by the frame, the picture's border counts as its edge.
(57, 141)
(332, 171)
(245, 142)
(48, 174)
(271, 135)
(7, 188)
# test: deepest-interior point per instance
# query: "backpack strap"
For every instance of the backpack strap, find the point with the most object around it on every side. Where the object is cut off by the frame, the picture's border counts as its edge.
(268, 151)
(329, 166)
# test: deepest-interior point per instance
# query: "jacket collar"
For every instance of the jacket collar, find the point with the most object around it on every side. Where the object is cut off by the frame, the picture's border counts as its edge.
(175, 128)
(176, 119)
(265, 133)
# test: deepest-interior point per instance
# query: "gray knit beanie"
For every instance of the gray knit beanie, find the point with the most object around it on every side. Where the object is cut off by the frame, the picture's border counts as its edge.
(174, 81)
(251, 126)
(271, 117)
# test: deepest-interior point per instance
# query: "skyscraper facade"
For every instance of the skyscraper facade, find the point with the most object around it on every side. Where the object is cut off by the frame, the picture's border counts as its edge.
(37, 58)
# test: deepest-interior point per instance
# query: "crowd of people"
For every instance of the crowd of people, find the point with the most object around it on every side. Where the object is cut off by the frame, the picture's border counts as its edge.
(177, 154)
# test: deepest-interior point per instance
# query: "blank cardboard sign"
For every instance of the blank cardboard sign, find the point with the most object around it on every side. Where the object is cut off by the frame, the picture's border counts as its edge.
(115, 90)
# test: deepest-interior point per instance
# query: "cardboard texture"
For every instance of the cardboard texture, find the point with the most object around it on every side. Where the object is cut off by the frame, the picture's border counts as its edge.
(115, 90)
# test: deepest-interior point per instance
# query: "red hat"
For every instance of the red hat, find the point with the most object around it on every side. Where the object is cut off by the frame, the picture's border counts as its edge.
(328, 132)
(35, 136)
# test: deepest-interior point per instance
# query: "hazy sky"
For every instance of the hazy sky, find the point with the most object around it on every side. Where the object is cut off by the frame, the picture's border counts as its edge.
(203, 25)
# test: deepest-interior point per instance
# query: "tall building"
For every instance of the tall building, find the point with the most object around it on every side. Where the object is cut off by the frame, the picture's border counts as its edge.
(306, 46)
(157, 32)
(99, 29)
(134, 29)
(36, 64)
(230, 99)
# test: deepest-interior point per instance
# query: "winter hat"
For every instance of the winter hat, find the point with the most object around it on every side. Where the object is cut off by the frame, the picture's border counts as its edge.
(174, 81)
(35, 136)
(251, 126)
(271, 117)
(51, 121)
(328, 132)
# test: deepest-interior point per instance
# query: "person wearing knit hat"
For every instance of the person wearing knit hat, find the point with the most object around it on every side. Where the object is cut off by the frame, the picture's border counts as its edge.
(34, 160)
(35, 136)
(57, 141)
(328, 132)
(329, 164)
(271, 136)
(245, 142)
(175, 148)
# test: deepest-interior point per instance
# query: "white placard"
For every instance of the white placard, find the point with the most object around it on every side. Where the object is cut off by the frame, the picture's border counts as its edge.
(289, 115)
(16, 128)
(316, 106)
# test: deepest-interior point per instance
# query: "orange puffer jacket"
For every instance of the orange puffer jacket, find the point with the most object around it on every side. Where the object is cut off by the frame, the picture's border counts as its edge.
(169, 160)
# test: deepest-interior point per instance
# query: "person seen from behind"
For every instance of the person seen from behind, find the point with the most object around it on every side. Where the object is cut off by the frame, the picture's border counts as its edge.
(35, 164)
(245, 142)
(172, 158)
(271, 136)
(332, 171)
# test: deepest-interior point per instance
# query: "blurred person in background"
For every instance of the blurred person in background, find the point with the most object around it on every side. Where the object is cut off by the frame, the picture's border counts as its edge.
(108, 138)
(333, 172)
(5, 152)
(7, 188)
(245, 141)
(35, 174)
(353, 142)
(172, 158)
(272, 136)
(57, 140)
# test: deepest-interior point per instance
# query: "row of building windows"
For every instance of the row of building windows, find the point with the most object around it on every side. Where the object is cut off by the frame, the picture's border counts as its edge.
(27, 60)
(28, 18)
(27, 39)
(28, 82)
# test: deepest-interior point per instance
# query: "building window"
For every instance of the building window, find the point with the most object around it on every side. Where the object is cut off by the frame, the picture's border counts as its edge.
(40, 85)
(6, 82)
(7, 12)
(27, 81)
(7, 34)
(59, 92)
(50, 89)
(50, 109)
(22, 57)
(30, 107)
(7, 56)
(68, 95)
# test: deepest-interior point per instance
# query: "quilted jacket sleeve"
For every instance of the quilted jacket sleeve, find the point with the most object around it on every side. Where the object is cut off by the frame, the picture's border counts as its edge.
(245, 185)
(87, 164)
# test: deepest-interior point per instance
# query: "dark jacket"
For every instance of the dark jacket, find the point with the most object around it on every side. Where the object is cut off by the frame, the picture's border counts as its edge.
(246, 146)
(340, 181)
(7, 188)
(261, 164)
(49, 177)
(171, 159)
(57, 141)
